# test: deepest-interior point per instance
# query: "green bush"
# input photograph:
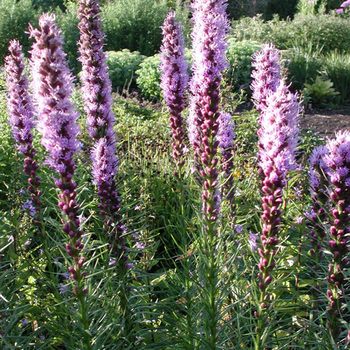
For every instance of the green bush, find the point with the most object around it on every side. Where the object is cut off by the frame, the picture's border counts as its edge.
(48, 5)
(134, 24)
(14, 19)
(68, 23)
(301, 66)
(148, 78)
(326, 32)
(337, 67)
(239, 55)
(122, 67)
(321, 91)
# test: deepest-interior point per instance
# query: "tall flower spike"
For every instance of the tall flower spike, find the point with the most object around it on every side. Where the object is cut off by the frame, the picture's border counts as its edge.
(174, 80)
(317, 214)
(21, 119)
(266, 75)
(96, 87)
(209, 61)
(278, 137)
(338, 173)
(225, 138)
(318, 189)
(97, 95)
(52, 85)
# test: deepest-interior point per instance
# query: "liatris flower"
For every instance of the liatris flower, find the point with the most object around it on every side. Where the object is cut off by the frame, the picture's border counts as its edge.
(174, 80)
(317, 180)
(21, 119)
(100, 119)
(105, 166)
(225, 138)
(209, 61)
(96, 85)
(345, 3)
(278, 139)
(338, 172)
(57, 123)
(266, 75)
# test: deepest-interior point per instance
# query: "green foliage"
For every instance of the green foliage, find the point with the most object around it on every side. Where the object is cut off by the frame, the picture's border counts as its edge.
(325, 32)
(239, 55)
(134, 25)
(301, 66)
(122, 67)
(49, 5)
(306, 7)
(148, 77)
(68, 22)
(320, 90)
(14, 19)
(337, 68)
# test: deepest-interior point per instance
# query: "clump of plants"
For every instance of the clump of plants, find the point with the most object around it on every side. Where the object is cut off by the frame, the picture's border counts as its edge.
(185, 226)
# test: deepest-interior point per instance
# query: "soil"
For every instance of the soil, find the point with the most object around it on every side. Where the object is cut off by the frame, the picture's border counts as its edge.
(326, 121)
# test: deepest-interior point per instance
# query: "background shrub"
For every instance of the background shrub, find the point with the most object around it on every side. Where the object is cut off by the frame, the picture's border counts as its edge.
(337, 67)
(14, 19)
(122, 67)
(134, 25)
(68, 22)
(301, 66)
(148, 78)
(239, 56)
(326, 32)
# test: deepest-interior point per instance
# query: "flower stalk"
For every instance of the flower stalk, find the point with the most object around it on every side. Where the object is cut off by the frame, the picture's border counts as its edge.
(57, 122)
(209, 61)
(97, 95)
(277, 141)
(318, 214)
(338, 172)
(174, 81)
(21, 119)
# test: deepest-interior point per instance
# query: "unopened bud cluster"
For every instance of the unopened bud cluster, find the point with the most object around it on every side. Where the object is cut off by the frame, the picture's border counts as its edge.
(174, 80)
(21, 119)
(338, 173)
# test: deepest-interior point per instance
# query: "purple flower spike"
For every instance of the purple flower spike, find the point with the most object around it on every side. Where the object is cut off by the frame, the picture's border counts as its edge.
(97, 95)
(278, 136)
(174, 81)
(318, 188)
(21, 119)
(96, 87)
(225, 138)
(52, 82)
(266, 75)
(338, 172)
(105, 166)
(209, 61)
(318, 213)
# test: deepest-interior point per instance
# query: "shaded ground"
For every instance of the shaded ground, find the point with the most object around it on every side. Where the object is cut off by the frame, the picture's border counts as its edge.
(326, 122)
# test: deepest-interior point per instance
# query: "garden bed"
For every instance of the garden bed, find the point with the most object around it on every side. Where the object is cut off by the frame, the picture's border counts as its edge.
(326, 121)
